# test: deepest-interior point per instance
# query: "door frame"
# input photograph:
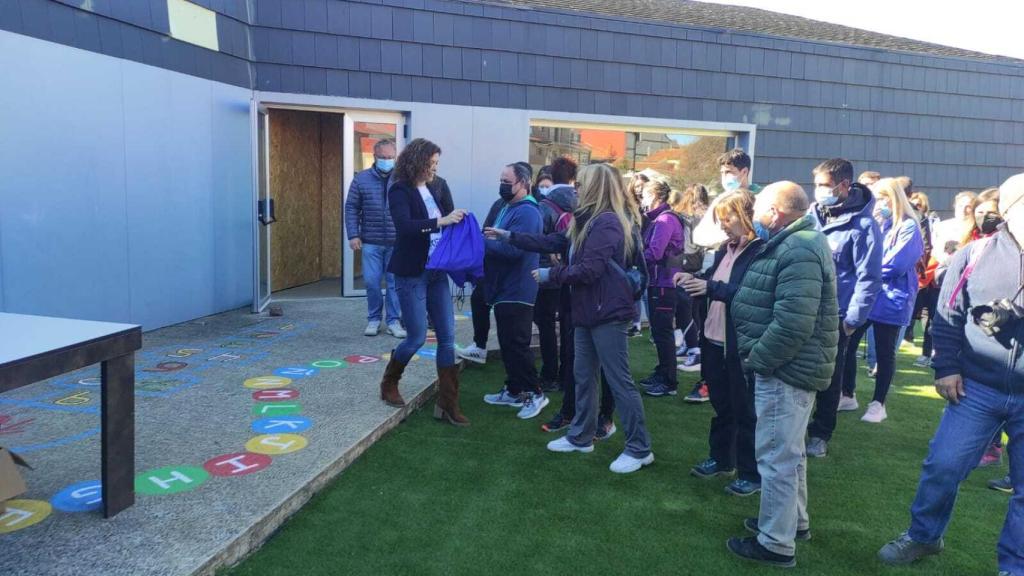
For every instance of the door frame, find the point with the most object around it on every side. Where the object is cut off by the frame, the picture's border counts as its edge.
(258, 115)
(285, 102)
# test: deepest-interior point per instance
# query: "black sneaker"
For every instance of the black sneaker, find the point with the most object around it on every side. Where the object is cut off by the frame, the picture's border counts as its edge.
(557, 422)
(634, 331)
(710, 469)
(654, 379)
(605, 428)
(1001, 484)
(547, 385)
(751, 549)
(751, 525)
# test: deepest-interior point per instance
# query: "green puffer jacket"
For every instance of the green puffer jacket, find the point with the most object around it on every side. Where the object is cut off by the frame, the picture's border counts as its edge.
(786, 313)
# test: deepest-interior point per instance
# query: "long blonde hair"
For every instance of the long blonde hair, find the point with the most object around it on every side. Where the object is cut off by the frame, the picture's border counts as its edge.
(891, 189)
(600, 190)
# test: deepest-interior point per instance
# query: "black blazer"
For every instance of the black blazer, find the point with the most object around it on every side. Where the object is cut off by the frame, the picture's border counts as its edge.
(412, 225)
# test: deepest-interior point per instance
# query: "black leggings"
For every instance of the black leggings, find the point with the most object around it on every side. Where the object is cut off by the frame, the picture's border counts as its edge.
(661, 310)
(885, 350)
(481, 317)
(545, 312)
(690, 313)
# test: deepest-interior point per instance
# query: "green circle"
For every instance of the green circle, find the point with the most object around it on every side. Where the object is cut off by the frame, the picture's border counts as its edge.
(170, 480)
(330, 364)
(271, 409)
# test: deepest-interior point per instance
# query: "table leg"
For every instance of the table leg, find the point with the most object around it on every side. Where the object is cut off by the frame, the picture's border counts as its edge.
(118, 434)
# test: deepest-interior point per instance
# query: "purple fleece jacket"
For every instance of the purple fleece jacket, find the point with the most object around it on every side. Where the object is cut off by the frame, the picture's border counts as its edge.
(664, 239)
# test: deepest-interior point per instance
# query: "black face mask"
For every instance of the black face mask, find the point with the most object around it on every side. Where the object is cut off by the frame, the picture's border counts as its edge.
(506, 193)
(988, 223)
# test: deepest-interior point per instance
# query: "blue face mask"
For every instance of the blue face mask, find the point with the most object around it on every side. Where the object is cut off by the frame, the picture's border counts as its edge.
(385, 165)
(761, 231)
(885, 212)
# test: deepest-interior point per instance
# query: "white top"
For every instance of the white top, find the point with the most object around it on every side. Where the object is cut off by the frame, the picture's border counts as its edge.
(942, 232)
(432, 212)
(24, 336)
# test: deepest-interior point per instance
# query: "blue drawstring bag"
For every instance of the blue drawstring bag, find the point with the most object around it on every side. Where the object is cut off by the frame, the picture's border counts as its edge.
(460, 252)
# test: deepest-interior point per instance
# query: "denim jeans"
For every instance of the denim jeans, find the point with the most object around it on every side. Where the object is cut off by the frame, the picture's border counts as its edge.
(965, 431)
(375, 262)
(782, 415)
(428, 293)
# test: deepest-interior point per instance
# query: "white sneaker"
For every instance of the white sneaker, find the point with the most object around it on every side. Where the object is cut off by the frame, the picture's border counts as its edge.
(532, 405)
(847, 403)
(875, 414)
(396, 330)
(372, 328)
(503, 398)
(678, 337)
(625, 463)
(472, 353)
(564, 445)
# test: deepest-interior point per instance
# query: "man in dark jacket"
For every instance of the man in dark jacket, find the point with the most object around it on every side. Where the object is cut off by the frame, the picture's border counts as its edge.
(511, 292)
(843, 212)
(979, 370)
(370, 230)
(787, 325)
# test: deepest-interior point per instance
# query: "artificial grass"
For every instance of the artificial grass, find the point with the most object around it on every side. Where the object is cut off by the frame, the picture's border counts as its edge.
(432, 499)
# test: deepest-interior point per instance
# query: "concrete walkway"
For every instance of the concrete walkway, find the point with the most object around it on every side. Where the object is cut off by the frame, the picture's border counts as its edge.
(239, 420)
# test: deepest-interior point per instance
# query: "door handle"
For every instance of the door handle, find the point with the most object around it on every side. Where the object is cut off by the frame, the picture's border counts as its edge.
(265, 211)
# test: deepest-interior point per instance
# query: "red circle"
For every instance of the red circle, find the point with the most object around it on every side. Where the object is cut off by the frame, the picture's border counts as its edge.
(237, 464)
(361, 359)
(275, 395)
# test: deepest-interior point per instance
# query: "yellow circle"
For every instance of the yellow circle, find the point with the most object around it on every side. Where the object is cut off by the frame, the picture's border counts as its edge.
(263, 382)
(22, 514)
(275, 444)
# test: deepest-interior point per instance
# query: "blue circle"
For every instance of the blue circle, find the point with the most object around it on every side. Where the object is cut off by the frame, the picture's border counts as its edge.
(79, 497)
(281, 425)
(296, 371)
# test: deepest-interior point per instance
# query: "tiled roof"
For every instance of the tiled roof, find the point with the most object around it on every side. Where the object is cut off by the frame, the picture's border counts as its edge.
(754, 20)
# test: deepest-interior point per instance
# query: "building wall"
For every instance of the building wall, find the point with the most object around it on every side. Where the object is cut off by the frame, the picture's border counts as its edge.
(950, 123)
(127, 189)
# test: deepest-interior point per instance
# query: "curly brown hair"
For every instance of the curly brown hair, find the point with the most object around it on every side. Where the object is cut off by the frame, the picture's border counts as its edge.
(413, 164)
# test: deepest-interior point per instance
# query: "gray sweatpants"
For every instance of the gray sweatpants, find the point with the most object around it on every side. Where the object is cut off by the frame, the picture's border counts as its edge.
(782, 415)
(605, 347)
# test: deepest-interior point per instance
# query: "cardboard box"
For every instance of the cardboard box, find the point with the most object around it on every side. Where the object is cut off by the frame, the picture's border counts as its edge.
(11, 482)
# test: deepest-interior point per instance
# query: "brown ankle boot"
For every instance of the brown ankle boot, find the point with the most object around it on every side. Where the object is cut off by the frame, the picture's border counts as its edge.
(447, 407)
(389, 383)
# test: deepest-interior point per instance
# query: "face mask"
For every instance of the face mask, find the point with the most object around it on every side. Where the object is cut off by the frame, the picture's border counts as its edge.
(885, 212)
(385, 165)
(761, 231)
(825, 196)
(505, 191)
(987, 223)
(544, 190)
(730, 182)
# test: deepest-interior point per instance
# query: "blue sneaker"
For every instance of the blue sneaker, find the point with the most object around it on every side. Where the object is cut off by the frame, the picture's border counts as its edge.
(691, 363)
(710, 468)
(661, 389)
(653, 380)
(503, 398)
(739, 487)
(533, 403)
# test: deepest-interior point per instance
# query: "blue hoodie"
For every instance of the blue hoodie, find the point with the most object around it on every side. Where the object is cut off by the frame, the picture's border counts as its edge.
(856, 244)
(902, 249)
(507, 269)
(960, 346)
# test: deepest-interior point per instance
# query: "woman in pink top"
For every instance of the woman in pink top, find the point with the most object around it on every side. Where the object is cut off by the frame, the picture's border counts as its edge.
(731, 438)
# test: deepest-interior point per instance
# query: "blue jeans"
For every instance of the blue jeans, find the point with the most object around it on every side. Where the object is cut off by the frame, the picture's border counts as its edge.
(418, 296)
(965, 431)
(375, 262)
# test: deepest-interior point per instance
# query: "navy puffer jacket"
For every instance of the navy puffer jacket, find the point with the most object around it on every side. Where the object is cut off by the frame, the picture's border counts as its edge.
(366, 209)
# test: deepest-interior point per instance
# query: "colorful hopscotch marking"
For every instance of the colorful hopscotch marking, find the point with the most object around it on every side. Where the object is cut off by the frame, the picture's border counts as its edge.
(170, 480)
(276, 444)
(79, 497)
(275, 395)
(365, 358)
(428, 352)
(387, 356)
(21, 514)
(330, 364)
(264, 382)
(296, 372)
(277, 409)
(237, 464)
(274, 425)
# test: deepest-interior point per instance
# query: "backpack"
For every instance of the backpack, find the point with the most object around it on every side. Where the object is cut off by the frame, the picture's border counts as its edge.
(635, 272)
(692, 257)
(460, 252)
(564, 218)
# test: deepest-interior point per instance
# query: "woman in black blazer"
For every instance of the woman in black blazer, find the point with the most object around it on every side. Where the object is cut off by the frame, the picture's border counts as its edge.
(420, 205)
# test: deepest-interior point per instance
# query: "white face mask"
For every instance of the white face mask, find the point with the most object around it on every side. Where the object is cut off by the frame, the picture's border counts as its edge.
(730, 182)
(825, 195)
(544, 190)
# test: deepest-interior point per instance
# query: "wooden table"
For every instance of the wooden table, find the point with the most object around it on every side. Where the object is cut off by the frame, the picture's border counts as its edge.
(34, 348)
